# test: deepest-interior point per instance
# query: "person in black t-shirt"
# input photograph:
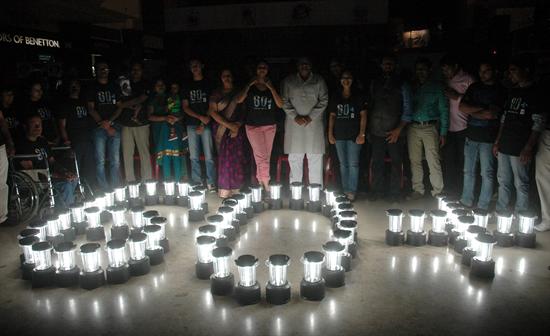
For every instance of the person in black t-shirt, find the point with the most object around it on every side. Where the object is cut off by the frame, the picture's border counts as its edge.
(195, 105)
(9, 113)
(346, 129)
(38, 105)
(75, 127)
(64, 182)
(482, 102)
(521, 123)
(6, 148)
(262, 102)
(104, 107)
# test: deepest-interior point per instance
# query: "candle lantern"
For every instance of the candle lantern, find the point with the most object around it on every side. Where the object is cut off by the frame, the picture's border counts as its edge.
(438, 236)
(78, 218)
(257, 202)
(312, 286)
(153, 250)
(296, 201)
(241, 215)
(120, 195)
(333, 272)
(169, 192)
(229, 225)
(196, 213)
(455, 223)
(118, 271)
(339, 200)
(248, 208)
(471, 243)
(43, 274)
(277, 289)
(451, 218)
(483, 265)
(464, 223)
(94, 231)
(275, 200)
(416, 235)
(162, 222)
(526, 237)
(205, 265)
(119, 229)
(139, 261)
(345, 238)
(151, 196)
(222, 280)
(248, 289)
(110, 198)
(91, 274)
(134, 193)
(148, 215)
(394, 233)
(202, 189)
(344, 215)
(138, 222)
(328, 201)
(67, 273)
(28, 232)
(481, 217)
(53, 232)
(351, 226)
(27, 264)
(100, 201)
(183, 194)
(42, 227)
(218, 223)
(503, 233)
(65, 227)
(314, 197)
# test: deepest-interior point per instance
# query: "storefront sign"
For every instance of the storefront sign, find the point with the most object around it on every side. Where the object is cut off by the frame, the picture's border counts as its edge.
(28, 40)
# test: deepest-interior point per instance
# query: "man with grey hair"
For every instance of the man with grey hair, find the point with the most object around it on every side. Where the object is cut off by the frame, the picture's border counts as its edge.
(305, 98)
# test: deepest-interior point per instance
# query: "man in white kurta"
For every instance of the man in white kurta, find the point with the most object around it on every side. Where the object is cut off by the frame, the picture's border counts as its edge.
(305, 98)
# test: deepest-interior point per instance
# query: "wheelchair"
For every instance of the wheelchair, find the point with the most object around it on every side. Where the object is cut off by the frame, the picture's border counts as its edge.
(31, 192)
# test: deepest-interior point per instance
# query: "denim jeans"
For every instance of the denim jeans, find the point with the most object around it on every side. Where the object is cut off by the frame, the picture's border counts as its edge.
(110, 145)
(473, 152)
(64, 192)
(348, 155)
(512, 173)
(379, 147)
(195, 142)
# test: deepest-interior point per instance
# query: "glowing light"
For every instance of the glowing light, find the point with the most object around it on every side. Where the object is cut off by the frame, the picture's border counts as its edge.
(414, 264)
(521, 266)
(435, 265)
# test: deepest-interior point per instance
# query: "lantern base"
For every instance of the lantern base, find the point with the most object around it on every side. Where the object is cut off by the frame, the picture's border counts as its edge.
(275, 204)
(92, 280)
(528, 240)
(230, 233)
(460, 245)
(438, 238)
(80, 227)
(120, 232)
(204, 207)
(221, 242)
(135, 230)
(334, 278)
(242, 218)
(352, 250)
(504, 239)
(95, 234)
(453, 236)
(123, 204)
(203, 271)
(248, 295)
(416, 238)
(21, 258)
(314, 206)
(139, 267)
(249, 212)
(118, 275)
(449, 228)
(326, 209)
(55, 239)
(69, 234)
(151, 199)
(67, 278)
(26, 271)
(182, 201)
(277, 295)
(169, 200)
(237, 225)
(482, 269)
(196, 215)
(467, 255)
(43, 278)
(394, 238)
(258, 207)
(135, 202)
(346, 262)
(296, 204)
(222, 286)
(156, 256)
(165, 245)
(312, 291)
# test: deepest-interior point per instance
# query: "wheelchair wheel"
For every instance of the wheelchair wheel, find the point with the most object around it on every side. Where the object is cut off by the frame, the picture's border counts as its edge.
(23, 199)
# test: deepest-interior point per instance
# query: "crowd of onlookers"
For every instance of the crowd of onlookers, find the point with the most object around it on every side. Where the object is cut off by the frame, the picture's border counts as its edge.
(455, 124)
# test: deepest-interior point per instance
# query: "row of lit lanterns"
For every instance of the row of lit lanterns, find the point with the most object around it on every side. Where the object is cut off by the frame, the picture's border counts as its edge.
(320, 270)
(466, 230)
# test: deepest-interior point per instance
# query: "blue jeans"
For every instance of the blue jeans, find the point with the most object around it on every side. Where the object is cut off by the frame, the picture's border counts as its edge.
(473, 152)
(195, 141)
(512, 173)
(111, 144)
(348, 155)
(65, 192)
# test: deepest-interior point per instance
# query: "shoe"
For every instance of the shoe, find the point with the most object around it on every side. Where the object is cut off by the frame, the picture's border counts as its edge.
(466, 207)
(415, 196)
(212, 188)
(543, 226)
(351, 196)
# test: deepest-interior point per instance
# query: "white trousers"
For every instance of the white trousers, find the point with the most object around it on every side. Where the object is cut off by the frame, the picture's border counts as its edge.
(315, 165)
(3, 184)
(543, 175)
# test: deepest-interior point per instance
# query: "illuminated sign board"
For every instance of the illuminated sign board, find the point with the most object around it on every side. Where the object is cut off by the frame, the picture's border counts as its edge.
(29, 40)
